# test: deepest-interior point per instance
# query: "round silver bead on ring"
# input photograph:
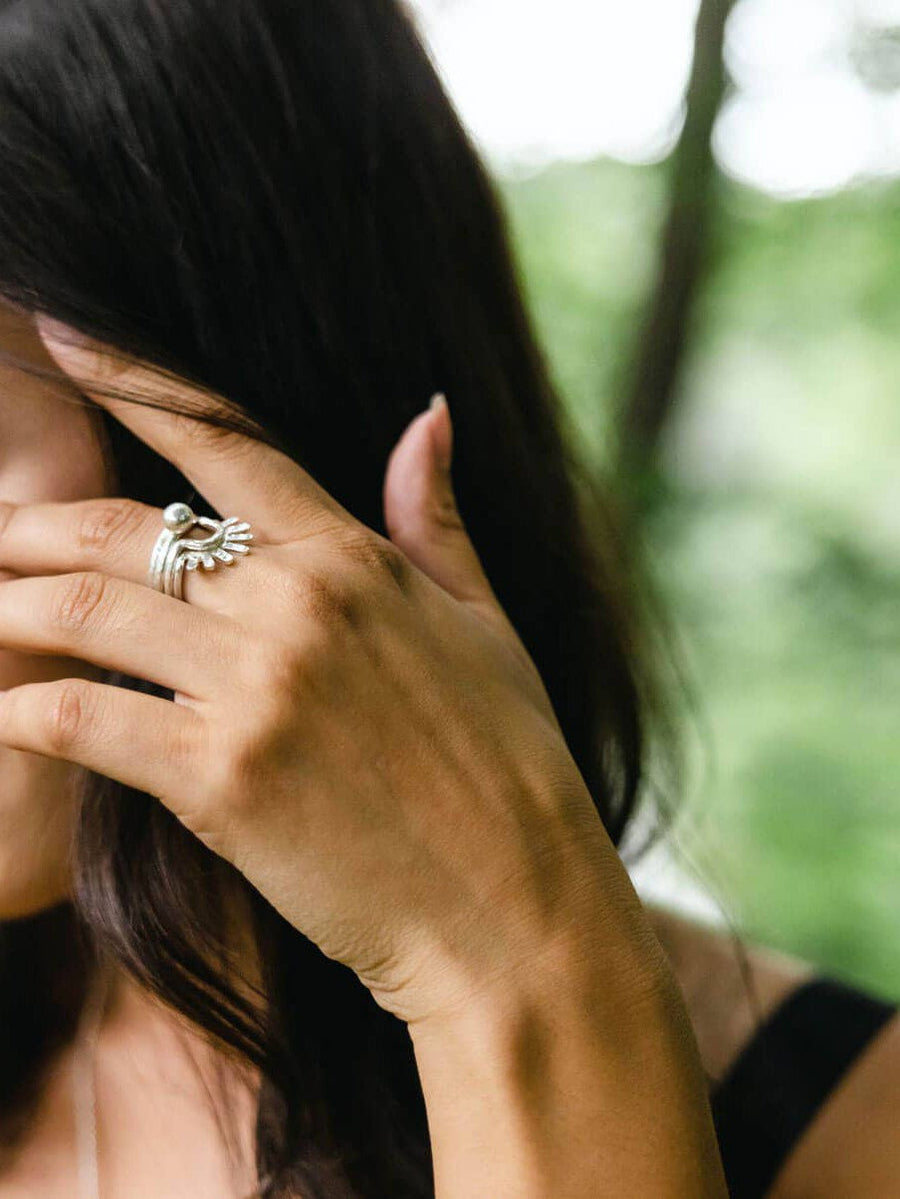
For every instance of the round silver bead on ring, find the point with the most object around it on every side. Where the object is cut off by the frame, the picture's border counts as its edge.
(174, 553)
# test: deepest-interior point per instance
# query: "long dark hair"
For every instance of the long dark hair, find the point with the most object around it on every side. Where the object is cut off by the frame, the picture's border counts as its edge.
(276, 200)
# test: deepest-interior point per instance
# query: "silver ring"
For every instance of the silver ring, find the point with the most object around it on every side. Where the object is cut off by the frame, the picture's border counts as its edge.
(174, 553)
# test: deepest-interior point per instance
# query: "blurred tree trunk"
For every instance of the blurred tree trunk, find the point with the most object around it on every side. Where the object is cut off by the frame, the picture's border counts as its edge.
(654, 374)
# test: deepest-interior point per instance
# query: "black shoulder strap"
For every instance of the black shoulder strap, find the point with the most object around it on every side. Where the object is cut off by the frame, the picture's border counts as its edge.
(784, 1075)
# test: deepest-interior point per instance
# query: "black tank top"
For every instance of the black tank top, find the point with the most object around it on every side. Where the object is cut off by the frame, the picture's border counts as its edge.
(777, 1084)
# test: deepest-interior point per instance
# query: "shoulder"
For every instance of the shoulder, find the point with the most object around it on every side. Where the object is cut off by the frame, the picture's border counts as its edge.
(730, 987)
(850, 1147)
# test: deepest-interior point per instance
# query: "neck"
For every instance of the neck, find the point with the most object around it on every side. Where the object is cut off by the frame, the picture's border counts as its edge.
(154, 1070)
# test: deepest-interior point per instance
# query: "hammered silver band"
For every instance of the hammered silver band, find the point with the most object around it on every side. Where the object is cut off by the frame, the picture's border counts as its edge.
(174, 553)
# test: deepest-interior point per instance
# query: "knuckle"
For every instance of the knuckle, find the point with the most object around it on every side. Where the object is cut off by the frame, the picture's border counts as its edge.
(332, 600)
(237, 772)
(67, 715)
(107, 523)
(204, 433)
(78, 600)
(381, 557)
(245, 762)
(267, 669)
(445, 515)
(326, 597)
(194, 428)
(7, 513)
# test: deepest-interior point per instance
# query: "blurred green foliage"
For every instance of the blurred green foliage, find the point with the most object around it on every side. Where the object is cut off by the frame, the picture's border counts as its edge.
(775, 533)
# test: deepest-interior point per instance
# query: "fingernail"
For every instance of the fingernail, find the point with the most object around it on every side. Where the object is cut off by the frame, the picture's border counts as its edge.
(443, 432)
(62, 336)
(49, 326)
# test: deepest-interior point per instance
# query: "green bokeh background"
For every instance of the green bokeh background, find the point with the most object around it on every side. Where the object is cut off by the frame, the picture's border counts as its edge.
(777, 543)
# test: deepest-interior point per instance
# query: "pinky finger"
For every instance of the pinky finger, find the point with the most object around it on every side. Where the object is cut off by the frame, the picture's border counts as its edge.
(145, 742)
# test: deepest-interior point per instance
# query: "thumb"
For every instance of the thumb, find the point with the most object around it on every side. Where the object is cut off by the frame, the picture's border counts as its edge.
(420, 510)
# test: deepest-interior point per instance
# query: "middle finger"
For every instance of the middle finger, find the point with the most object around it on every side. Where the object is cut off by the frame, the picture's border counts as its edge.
(120, 625)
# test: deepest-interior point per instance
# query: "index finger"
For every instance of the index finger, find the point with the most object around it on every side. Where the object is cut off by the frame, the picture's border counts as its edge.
(233, 471)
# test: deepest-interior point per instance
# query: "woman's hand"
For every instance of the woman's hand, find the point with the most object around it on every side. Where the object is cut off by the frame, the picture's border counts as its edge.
(356, 726)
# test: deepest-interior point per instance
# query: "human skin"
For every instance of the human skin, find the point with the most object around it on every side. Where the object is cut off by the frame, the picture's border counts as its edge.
(50, 450)
(448, 852)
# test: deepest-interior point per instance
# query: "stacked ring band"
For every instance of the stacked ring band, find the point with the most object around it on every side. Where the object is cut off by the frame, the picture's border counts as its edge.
(173, 553)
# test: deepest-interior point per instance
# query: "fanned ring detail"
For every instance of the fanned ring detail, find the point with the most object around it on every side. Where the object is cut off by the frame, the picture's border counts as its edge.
(174, 553)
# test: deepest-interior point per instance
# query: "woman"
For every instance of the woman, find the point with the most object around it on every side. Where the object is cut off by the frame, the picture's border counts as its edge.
(306, 748)
(356, 858)
(354, 901)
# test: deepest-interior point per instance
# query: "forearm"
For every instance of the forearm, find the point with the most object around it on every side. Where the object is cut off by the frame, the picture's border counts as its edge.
(575, 1084)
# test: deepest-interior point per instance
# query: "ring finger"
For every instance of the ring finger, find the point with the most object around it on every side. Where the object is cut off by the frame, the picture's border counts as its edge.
(110, 534)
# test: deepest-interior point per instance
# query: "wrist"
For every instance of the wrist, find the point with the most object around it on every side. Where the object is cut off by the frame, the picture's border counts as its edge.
(574, 911)
(616, 991)
(573, 1080)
